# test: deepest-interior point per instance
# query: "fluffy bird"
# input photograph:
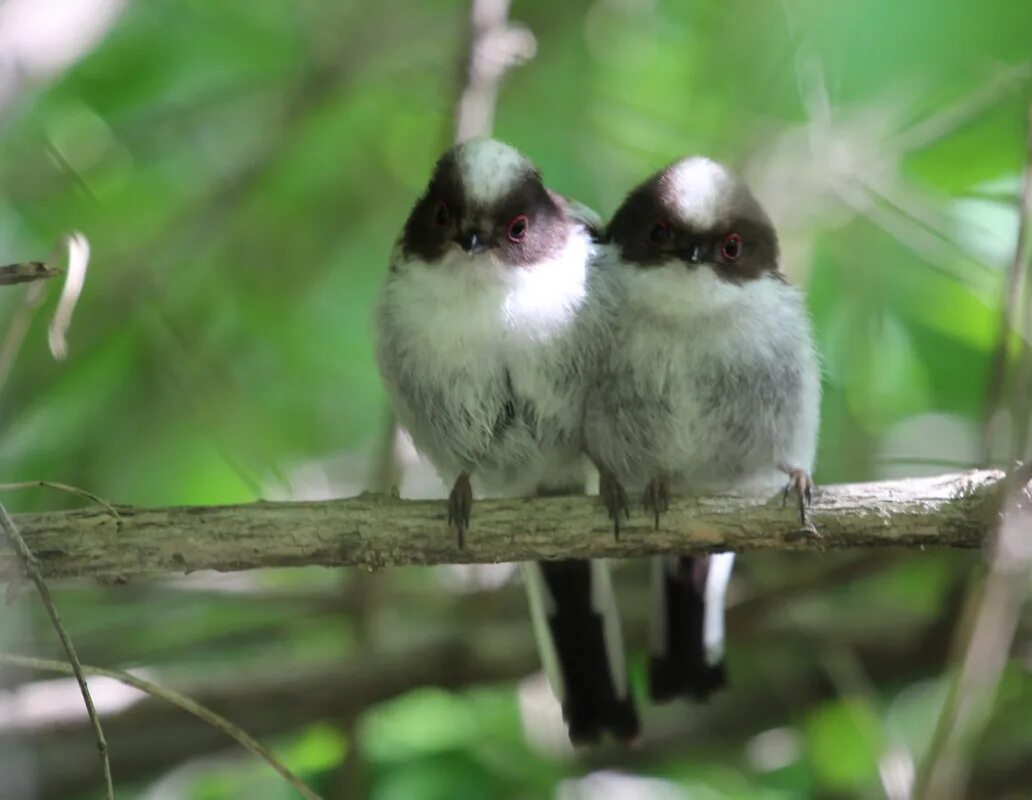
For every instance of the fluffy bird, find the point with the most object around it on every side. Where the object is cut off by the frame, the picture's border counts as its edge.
(485, 337)
(711, 384)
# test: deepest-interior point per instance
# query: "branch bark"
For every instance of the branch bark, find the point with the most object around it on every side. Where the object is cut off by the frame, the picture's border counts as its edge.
(26, 272)
(374, 531)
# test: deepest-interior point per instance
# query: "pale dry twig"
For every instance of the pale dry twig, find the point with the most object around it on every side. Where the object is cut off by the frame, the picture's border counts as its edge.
(28, 561)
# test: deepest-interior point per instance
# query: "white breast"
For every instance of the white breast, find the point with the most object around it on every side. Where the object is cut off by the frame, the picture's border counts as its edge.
(469, 331)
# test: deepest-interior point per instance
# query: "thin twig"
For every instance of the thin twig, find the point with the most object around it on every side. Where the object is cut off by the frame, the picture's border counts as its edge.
(927, 218)
(944, 122)
(386, 470)
(1009, 303)
(78, 259)
(65, 166)
(176, 699)
(62, 487)
(1022, 403)
(18, 328)
(363, 593)
(850, 679)
(854, 190)
(484, 643)
(984, 638)
(495, 45)
(31, 567)
(26, 272)
(192, 378)
(925, 244)
(986, 631)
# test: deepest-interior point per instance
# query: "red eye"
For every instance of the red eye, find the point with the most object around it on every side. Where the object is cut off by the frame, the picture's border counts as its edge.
(732, 247)
(660, 232)
(518, 228)
(442, 216)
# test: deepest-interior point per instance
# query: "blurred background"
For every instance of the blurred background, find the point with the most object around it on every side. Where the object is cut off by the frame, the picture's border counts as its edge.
(241, 170)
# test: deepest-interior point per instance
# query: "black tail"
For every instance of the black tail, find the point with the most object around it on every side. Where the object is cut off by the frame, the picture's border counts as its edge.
(688, 626)
(578, 633)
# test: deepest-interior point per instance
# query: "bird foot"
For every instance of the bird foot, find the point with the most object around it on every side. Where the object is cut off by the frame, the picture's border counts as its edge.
(614, 498)
(800, 484)
(656, 498)
(460, 503)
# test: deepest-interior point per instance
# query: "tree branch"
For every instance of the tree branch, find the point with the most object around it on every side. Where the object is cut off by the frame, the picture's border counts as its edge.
(375, 531)
(495, 45)
(26, 272)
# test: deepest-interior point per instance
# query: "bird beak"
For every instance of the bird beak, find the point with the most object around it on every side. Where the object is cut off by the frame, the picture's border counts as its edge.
(694, 254)
(474, 243)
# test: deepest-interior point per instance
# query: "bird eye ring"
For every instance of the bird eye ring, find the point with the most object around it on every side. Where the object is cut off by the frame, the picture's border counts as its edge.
(732, 247)
(518, 228)
(442, 216)
(660, 232)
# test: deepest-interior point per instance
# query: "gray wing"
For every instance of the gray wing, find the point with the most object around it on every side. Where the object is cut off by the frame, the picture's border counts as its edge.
(587, 217)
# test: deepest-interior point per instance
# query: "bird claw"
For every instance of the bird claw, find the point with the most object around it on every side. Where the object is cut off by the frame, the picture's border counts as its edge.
(614, 498)
(800, 483)
(656, 498)
(460, 503)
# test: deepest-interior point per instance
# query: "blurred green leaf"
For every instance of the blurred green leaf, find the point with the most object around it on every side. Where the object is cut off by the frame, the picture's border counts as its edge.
(843, 742)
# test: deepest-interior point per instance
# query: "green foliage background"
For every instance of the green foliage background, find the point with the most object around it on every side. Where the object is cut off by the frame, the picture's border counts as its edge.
(241, 170)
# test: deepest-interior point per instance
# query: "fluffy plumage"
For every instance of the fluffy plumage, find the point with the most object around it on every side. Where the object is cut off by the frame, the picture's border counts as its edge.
(484, 337)
(711, 383)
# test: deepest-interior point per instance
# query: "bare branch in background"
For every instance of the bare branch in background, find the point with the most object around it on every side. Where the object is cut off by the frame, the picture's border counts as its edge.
(362, 594)
(78, 260)
(150, 736)
(18, 328)
(26, 272)
(495, 45)
(851, 681)
(927, 245)
(375, 531)
(986, 631)
(176, 699)
(1009, 309)
(947, 120)
(31, 567)
(61, 487)
(1021, 413)
(385, 474)
(78, 256)
(486, 643)
(984, 638)
(38, 271)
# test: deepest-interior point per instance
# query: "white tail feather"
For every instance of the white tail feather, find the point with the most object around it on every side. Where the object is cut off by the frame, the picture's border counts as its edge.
(541, 605)
(717, 578)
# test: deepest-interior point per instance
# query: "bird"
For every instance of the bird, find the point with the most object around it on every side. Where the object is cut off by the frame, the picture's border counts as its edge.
(710, 382)
(485, 337)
